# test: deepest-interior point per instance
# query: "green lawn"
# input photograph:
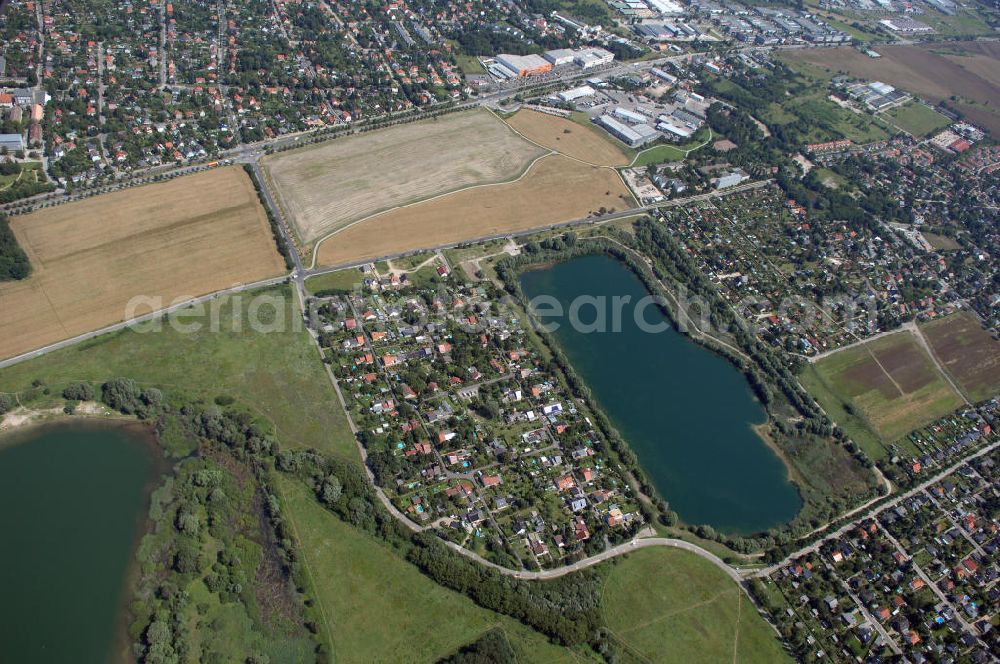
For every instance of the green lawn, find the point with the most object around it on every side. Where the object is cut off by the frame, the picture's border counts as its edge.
(342, 281)
(469, 64)
(916, 119)
(667, 605)
(376, 607)
(276, 374)
(658, 155)
(663, 153)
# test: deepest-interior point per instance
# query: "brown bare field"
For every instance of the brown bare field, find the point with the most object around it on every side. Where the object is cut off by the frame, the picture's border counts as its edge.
(556, 189)
(966, 351)
(920, 70)
(328, 186)
(568, 137)
(183, 238)
(891, 382)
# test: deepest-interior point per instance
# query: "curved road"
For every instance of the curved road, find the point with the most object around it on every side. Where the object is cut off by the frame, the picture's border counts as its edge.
(613, 552)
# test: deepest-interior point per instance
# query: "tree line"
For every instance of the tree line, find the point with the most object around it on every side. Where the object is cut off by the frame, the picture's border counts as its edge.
(14, 262)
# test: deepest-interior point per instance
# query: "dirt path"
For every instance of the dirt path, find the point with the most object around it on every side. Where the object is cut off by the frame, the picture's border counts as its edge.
(915, 329)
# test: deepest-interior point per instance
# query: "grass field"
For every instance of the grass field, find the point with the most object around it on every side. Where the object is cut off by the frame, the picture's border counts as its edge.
(968, 352)
(663, 153)
(556, 189)
(190, 236)
(469, 64)
(342, 281)
(328, 186)
(569, 138)
(941, 242)
(916, 119)
(379, 608)
(891, 383)
(666, 605)
(922, 70)
(278, 374)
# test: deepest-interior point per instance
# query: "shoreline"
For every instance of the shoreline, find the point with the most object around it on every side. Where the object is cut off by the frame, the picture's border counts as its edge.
(96, 415)
(23, 419)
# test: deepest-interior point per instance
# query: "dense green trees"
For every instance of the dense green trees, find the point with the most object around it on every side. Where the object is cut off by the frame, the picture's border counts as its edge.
(81, 391)
(13, 261)
(491, 648)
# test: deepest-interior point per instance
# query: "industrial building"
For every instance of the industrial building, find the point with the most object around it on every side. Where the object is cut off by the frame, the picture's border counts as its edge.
(663, 76)
(593, 57)
(730, 179)
(11, 142)
(632, 136)
(577, 93)
(524, 65)
(665, 7)
(560, 56)
(628, 116)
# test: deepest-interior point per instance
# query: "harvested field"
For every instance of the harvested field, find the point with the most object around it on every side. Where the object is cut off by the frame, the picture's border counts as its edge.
(968, 352)
(187, 237)
(891, 382)
(556, 189)
(568, 137)
(929, 74)
(326, 187)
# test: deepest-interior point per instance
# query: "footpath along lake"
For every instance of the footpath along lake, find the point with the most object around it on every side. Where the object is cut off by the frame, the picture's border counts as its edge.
(75, 496)
(685, 411)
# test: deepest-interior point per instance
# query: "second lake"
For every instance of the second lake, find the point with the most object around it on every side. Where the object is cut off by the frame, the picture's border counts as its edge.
(685, 411)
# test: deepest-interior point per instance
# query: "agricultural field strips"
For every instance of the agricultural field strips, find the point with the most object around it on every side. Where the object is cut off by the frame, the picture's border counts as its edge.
(891, 382)
(170, 241)
(968, 352)
(966, 71)
(555, 189)
(572, 139)
(327, 187)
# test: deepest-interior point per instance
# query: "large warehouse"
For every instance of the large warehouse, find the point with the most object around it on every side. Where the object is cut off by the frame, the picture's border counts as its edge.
(632, 136)
(593, 57)
(560, 56)
(524, 65)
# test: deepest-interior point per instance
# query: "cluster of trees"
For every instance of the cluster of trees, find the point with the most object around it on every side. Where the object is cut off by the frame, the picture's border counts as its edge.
(28, 184)
(491, 648)
(279, 238)
(216, 519)
(566, 609)
(13, 261)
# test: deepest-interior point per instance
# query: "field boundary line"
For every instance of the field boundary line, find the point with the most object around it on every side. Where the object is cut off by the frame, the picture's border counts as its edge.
(545, 147)
(312, 579)
(524, 173)
(121, 325)
(929, 349)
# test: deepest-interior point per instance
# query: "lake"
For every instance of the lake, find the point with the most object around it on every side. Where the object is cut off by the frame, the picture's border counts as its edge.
(685, 411)
(75, 497)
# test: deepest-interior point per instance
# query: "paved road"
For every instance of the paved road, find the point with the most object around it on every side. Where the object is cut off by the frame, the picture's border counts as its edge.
(139, 319)
(586, 221)
(613, 552)
(923, 486)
